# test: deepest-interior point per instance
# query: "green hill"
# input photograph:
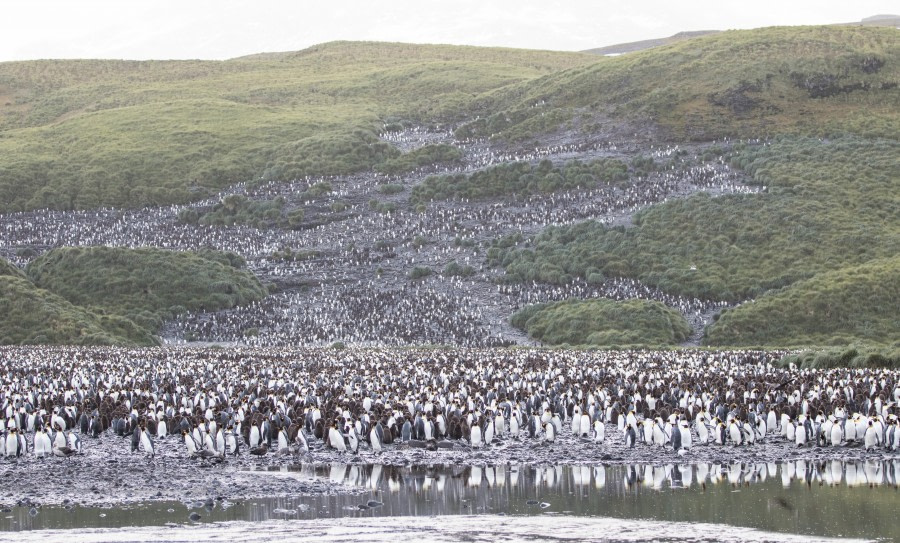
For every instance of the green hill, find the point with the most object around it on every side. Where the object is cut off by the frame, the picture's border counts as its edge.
(86, 133)
(852, 304)
(603, 323)
(739, 83)
(145, 285)
(89, 133)
(30, 315)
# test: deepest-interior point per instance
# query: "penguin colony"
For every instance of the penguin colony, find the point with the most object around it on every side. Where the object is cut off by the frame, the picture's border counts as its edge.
(225, 403)
(356, 270)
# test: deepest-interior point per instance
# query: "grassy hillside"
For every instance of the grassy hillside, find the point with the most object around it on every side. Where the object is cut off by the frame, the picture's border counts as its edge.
(828, 204)
(145, 285)
(80, 134)
(30, 315)
(739, 83)
(852, 304)
(633, 46)
(86, 133)
(603, 323)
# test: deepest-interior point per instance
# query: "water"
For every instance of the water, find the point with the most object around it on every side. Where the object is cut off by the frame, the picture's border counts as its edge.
(815, 499)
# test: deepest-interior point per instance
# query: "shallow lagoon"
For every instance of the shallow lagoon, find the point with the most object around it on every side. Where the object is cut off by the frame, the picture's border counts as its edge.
(817, 499)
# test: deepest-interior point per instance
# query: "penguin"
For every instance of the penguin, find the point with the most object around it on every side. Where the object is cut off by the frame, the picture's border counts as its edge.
(837, 434)
(255, 436)
(499, 425)
(335, 439)
(300, 439)
(475, 437)
(702, 433)
(871, 438)
(734, 432)
(659, 436)
(557, 424)
(282, 440)
(800, 434)
(630, 436)
(59, 439)
(599, 431)
(771, 421)
(42, 445)
(585, 427)
(375, 438)
(488, 432)
(146, 442)
(550, 432)
(135, 439)
(406, 431)
(353, 440)
(74, 442)
(676, 439)
(721, 432)
(190, 443)
(514, 426)
(850, 431)
(684, 430)
(790, 432)
(13, 447)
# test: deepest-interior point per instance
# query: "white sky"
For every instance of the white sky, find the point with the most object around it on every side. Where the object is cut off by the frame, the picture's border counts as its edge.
(220, 29)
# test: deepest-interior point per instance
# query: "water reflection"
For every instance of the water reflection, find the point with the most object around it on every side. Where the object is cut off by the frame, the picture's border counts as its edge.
(828, 498)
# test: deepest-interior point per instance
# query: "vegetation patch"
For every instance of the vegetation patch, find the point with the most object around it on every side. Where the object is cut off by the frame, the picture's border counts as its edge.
(33, 316)
(856, 304)
(603, 323)
(428, 155)
(145, 285)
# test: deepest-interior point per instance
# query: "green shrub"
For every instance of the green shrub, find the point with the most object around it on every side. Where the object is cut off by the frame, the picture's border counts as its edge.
(603, 322)
(419, 272)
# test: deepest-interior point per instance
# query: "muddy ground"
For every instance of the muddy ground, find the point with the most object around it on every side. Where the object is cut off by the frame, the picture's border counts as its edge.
(107, 473)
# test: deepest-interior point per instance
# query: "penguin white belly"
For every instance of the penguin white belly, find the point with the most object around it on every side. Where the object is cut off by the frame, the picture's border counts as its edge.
(871, 438)
(599, 432)
(550, 432)
(336, 440)
(585, 426)
(836, 434)
(475, 437)
(702, 433)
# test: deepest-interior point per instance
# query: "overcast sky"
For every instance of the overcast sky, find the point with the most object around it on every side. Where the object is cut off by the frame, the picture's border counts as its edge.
(220, 29)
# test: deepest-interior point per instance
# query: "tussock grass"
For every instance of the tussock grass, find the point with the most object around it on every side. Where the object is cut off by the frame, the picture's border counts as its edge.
(603, 323)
